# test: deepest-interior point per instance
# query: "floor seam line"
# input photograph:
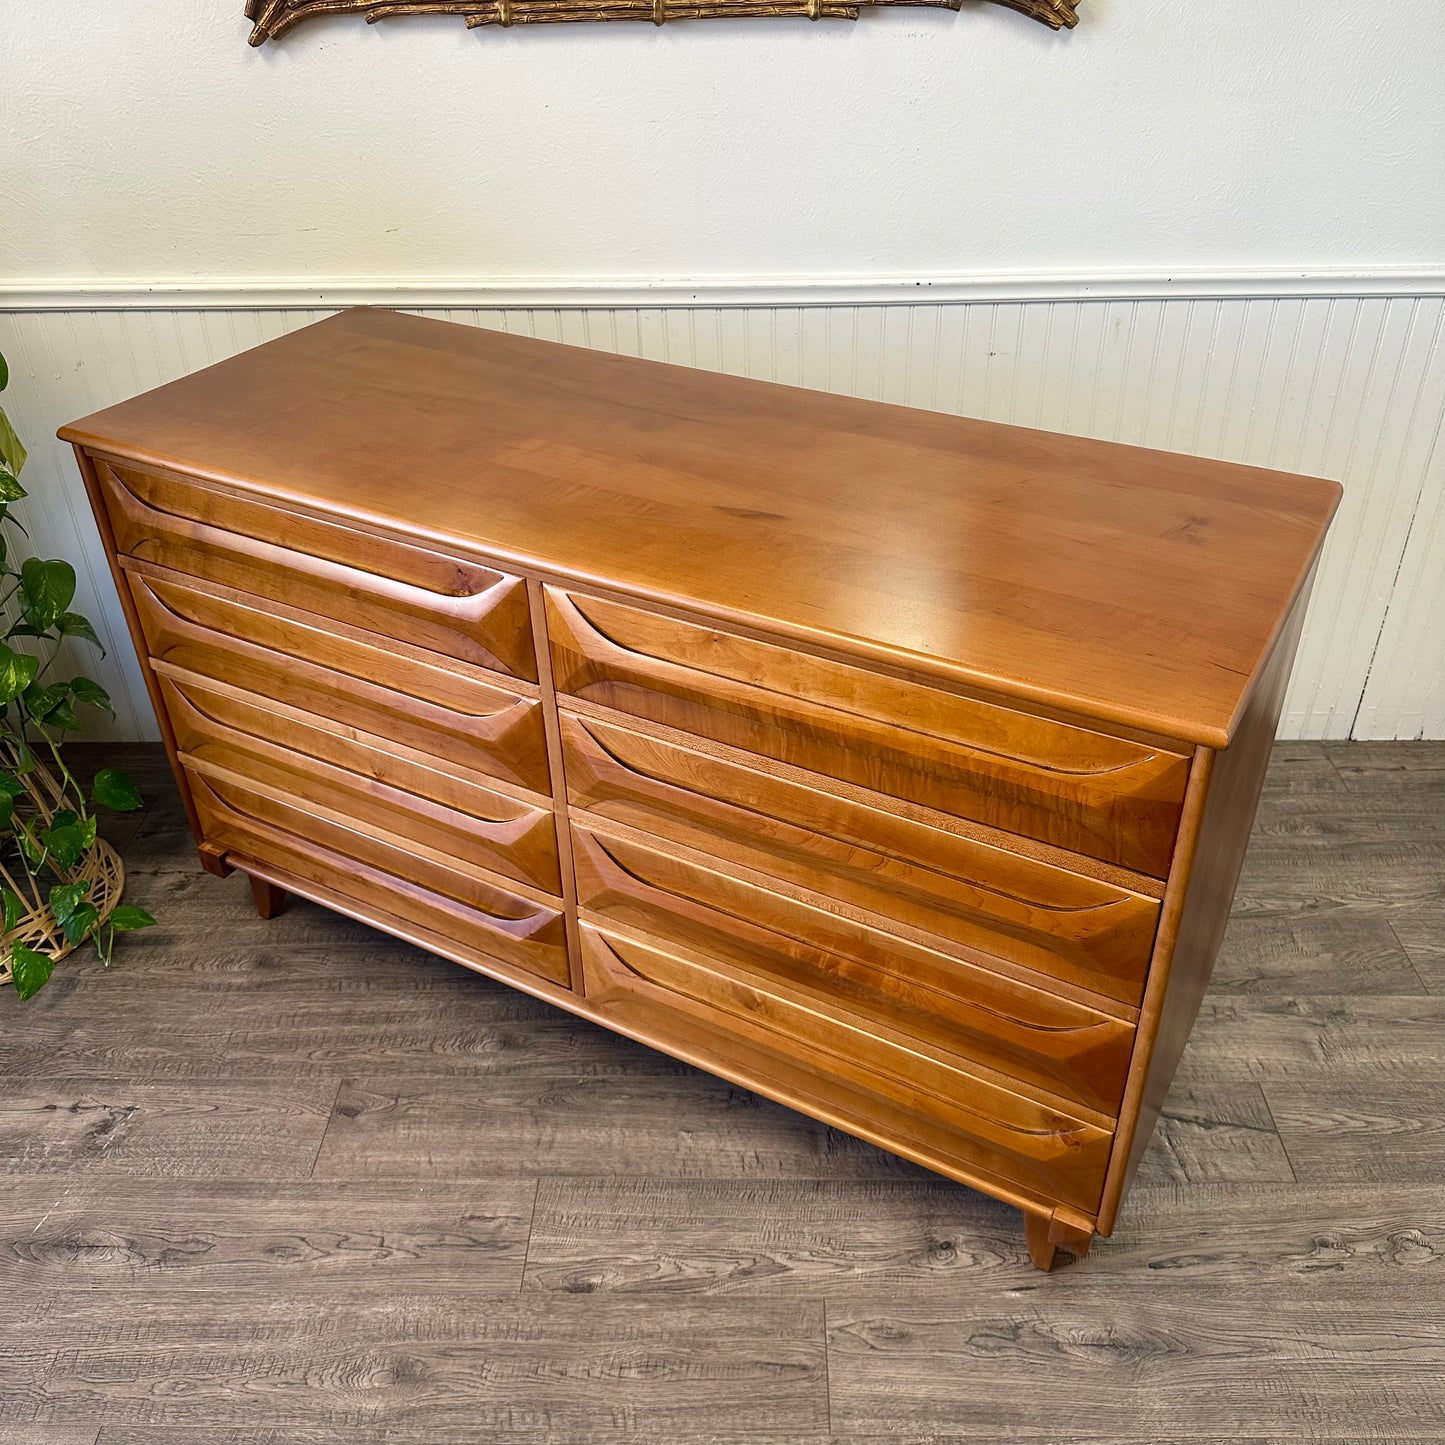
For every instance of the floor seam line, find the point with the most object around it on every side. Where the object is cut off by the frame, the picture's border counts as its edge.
(1283, 1147)
(531, 1230)
(330, 1115)
(1410, 959)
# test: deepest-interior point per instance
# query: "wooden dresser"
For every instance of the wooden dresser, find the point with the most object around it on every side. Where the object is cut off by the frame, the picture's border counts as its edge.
(897, 766)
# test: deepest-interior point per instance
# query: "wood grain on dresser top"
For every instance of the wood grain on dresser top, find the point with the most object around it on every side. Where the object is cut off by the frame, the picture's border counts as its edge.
(1138, 588)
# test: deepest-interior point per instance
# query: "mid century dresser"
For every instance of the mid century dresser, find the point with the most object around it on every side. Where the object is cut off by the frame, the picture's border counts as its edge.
(897, 766)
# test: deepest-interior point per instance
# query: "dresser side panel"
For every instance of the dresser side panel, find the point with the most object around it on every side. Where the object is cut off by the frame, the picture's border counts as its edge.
(1190, 934)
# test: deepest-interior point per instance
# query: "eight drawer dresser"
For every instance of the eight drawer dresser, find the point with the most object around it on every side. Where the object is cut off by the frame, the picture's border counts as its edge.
(897, 766)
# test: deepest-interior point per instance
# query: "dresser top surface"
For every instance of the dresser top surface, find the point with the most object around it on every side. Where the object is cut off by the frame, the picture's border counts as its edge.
(1138, 587)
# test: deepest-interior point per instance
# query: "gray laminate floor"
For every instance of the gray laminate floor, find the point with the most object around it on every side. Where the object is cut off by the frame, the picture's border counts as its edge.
(295, 1182)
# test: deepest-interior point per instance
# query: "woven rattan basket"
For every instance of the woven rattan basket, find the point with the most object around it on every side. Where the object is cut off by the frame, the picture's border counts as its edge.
(100, 867)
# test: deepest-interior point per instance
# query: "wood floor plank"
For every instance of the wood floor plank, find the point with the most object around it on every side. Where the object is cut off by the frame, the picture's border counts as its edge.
(700, 1434)
(1025, 1368)
(1366, 1125)
(48, 1434)
(1289, 876)
(1301, 767)
(1421, 932)
(25, 1362)
(428, 1021)
(181, 1128)
(686, 1124)
(1264, 1037)
(114, 1236)
(841, 1241)
(1289, 953)
(1408, 814)
(797, 1237)
(1074, 1435)
(1388, 767)
(1214, 1131)
(436, 1362)
(1336, 1242)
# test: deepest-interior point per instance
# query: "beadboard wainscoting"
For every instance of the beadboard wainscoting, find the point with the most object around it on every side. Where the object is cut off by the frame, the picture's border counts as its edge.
(1346, 386)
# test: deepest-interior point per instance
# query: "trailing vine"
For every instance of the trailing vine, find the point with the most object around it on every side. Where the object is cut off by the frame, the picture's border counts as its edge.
(48, 830)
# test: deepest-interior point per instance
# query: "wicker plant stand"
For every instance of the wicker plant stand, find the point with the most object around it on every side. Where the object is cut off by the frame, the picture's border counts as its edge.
(100, 866)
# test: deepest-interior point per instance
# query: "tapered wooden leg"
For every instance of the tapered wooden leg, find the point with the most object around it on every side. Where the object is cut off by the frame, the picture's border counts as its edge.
(1047, 1234)
(270, 899)
(1071, 1232)
(1041, 1247)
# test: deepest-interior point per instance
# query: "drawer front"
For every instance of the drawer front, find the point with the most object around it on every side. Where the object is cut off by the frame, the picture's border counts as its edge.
(363, 784)
(986, 899)
(851, 970)
(238, 640)
(401, 591)
(967, 1119)
(1099, 795)
(449, 898)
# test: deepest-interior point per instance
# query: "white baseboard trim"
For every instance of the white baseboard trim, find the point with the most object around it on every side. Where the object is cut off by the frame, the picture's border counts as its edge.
(630, 293)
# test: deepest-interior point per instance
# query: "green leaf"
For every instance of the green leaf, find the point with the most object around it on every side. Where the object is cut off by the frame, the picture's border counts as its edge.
(127, 917)
(65, 898)
(30, 970)
(75, 916)
(4, 373)
(7, 812)
(14, 908)
(46, 590)
(112, 788)
(42, 701)
(17, 672)
(34, 853)
(11, 787)
(82, 689)
(79, 926)
(71, 624)
(12, 454)
(67, 840)
(10, 488)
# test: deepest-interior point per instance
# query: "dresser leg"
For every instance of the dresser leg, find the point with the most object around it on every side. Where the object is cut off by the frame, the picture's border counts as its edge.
(270, 899)
(1041, 1247)
(1048, 1233)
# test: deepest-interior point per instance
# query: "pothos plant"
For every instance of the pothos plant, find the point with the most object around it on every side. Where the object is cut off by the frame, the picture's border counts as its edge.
(59, 883)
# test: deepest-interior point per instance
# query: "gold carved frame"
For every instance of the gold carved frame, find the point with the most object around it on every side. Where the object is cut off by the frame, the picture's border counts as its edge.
(271, 18)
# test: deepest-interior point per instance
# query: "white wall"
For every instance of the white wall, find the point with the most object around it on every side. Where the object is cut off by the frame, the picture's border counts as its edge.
(145, 139)
(1227, 220)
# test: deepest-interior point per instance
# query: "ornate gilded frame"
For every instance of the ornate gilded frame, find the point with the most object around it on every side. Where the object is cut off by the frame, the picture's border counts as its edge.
(271, 18)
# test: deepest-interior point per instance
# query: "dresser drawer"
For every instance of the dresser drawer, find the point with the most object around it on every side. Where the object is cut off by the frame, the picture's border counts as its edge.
(847, 968)
(1103, 796)
(239, 640)
(973, 1120)
(987, 899)
(396, 589)
(450, 898)
(369, 788)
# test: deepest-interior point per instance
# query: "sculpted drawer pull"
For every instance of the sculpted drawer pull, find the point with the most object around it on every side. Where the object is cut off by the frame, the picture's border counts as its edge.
(452, 581)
